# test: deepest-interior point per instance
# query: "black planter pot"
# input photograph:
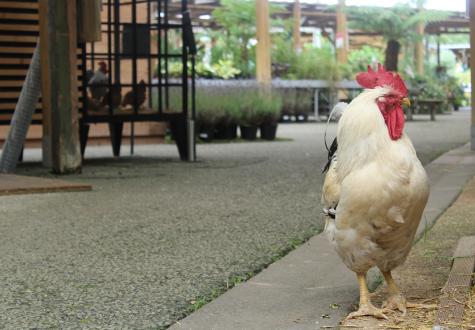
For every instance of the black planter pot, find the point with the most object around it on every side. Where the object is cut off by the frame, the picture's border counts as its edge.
(301, 117)
(206, 133)
(268, 131)
(285, 117)
(226, 132)
(248, 132)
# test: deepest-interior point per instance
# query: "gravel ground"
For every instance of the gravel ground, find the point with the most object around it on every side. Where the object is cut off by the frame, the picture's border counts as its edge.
(156, 236)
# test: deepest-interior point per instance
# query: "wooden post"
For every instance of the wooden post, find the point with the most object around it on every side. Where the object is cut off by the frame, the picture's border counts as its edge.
(341, 39)
(89, 16)
(419, 44)
(61, 147)
(471, 9)
(438, 49)
(263, 60)
(296, 29)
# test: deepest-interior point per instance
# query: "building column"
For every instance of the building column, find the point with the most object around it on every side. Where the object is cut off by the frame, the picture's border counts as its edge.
(263, 58)
(59, 75)
(341, 38)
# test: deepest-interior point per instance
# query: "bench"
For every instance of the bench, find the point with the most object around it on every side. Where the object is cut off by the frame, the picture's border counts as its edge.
(422, 103)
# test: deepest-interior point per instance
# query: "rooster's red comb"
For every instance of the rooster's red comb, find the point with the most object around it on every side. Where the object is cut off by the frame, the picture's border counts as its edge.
(381, 78)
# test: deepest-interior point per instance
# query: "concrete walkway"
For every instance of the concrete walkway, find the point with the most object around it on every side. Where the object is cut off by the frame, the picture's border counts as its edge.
(157, 237)
(310, 287)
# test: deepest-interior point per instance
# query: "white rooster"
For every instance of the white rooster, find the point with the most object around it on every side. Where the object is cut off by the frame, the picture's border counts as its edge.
(375, 189)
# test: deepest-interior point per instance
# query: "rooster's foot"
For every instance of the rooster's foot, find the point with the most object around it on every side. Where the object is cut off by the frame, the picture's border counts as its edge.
(367, 310)
(398, 302)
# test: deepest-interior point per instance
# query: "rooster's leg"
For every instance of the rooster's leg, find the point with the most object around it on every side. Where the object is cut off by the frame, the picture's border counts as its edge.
(396, 300)
(366, 308)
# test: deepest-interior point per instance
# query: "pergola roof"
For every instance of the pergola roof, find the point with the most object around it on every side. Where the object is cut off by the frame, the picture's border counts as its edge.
(456, 23)
(314, 15)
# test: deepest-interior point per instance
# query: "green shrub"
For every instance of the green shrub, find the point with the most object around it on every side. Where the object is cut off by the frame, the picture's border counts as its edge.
(316, 63)
(230, 106)
(303, 102)
(423, 87)
(222, 105)
(248, 107)
(259, 107)
(210, 105)
(270, 108)
(289, 99)
(359, 59)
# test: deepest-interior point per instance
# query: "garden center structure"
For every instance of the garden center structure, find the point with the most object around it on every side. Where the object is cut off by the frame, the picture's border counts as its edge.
(130, 38)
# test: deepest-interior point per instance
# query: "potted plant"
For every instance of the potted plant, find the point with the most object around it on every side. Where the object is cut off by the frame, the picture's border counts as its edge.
(249, 119)
(208, 113)
(288, 96)
(303, 105)
(226, 127)
(270, 112)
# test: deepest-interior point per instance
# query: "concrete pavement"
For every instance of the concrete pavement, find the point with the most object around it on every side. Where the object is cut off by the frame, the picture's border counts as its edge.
(157, 236)
(310, 287)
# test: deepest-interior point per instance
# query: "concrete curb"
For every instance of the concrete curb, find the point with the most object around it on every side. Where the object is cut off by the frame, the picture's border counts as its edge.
(310, 287)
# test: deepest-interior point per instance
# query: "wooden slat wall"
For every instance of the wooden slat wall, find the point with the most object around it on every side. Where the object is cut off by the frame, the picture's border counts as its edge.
(19, 30)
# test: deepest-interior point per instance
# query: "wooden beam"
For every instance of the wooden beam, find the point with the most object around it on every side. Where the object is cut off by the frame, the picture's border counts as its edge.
(58, 33)
(419, 44)
(471, 10)
(19, 61)
(341, 39)
(17, 4)
(14, 27)
(21, 39)
(263, 59)
(296, 30)
(89, 12)
(19, 16)
(438, 49)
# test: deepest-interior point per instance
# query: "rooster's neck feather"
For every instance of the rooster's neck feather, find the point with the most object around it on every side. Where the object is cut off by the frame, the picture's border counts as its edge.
(362, 134)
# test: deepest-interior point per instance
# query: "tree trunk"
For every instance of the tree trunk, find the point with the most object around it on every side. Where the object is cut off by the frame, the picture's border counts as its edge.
(392, 54)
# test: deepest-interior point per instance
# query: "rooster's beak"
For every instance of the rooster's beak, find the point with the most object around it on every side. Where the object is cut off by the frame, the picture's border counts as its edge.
(406, 102)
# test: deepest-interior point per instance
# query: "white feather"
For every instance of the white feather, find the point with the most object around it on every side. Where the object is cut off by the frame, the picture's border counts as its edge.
(379, 185)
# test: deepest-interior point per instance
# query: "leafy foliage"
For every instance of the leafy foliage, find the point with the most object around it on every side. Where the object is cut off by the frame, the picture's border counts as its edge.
(237, 43)
(238, 19)
(425, 87)
(224, 69)
(310, 63)
(257, 107)
(437, 84)
(395, 23)
(243, 106)
(359, 59)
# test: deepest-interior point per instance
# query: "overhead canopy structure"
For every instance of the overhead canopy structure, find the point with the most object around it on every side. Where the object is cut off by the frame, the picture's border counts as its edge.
(457, 23)
(313, 15)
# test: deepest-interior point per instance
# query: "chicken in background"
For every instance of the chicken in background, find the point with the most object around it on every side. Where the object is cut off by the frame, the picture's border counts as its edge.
(115, 97)
(375, 189)
(141, 95)
(98, 84)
